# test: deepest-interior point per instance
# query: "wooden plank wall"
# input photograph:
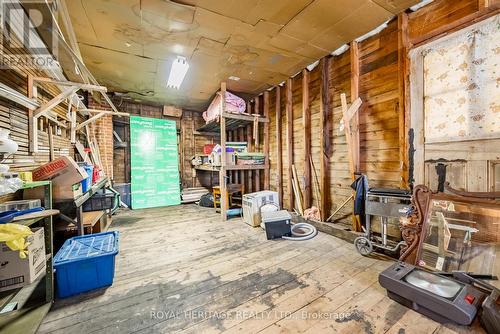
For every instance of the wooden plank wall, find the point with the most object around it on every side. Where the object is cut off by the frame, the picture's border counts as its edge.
(14, 117)
(378, 115)
(340, 179)
(383, 116)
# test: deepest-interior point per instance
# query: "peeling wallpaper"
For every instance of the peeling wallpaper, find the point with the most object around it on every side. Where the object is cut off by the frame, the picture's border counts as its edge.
(462, 85)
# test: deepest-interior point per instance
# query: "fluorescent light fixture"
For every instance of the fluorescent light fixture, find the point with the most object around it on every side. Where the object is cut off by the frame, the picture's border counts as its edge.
(235, 78)
(177, 72)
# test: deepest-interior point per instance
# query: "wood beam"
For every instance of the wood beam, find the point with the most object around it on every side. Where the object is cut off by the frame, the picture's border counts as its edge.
(416, 119)
(354, 53)
(64, 14)
(54, 102)
(289, 139)
(403, 98)
(486, 4)
(350, 114)
(242, 173)
(249, 132)
(51, 143)
(463, 22)
(83, 86)
(325, 142)
(279, 157)
(81, 150)
(267, 174)
(351, 132)
(86, 74)
(348, 135)
(72, 113)
(249, 118)
(257, 140)
(32, 123)
(110, 103)
(73, 42)
(229, 138)
(222, 175)
(256, 125)
(306, 136)
(234, 174)
(90, 120)
(15, 96)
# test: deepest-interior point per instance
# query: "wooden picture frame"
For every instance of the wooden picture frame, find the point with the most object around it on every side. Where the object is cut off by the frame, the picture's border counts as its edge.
(413, 227)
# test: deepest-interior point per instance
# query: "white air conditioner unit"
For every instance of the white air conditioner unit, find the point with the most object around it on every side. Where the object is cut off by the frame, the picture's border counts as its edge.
(254, 201)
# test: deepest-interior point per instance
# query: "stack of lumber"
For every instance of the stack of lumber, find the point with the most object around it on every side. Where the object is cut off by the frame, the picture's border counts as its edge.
(191, 195)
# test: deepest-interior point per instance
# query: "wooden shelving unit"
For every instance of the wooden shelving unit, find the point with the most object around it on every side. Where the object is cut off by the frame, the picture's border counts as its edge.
(22, 310)
(230, 122)
(232, 167)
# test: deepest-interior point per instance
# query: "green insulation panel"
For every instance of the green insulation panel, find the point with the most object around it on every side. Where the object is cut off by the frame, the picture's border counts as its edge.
(154, 163)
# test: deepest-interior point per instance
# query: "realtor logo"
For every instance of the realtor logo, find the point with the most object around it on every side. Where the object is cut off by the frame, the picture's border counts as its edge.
(28, 37)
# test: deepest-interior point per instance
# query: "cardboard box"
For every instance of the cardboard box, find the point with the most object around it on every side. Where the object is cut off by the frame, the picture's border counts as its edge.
(59, 192)
(16, 272)
(65, 191)
(63, 170)
(65, 175)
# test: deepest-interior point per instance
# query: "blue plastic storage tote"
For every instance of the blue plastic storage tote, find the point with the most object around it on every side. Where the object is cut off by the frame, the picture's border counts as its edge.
(86, 263)
(87, 183)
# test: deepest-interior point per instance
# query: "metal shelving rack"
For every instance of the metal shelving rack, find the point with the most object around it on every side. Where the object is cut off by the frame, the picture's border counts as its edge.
(229, 122)
(77, 205)
(22, 310)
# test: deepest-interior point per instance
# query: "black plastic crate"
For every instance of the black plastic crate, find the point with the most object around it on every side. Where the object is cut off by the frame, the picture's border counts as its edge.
(102, 200)
(124, 190)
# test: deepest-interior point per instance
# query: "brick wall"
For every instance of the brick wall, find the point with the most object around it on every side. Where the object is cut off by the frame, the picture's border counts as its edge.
(102, 131)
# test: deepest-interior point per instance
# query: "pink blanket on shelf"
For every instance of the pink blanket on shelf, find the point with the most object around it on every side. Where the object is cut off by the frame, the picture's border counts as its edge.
(234, 104)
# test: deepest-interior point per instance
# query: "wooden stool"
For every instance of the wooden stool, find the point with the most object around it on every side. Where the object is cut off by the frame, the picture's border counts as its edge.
(231, 189)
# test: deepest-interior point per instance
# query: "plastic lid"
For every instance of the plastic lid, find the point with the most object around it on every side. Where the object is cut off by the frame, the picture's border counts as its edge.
(87, 246)
(275, 216)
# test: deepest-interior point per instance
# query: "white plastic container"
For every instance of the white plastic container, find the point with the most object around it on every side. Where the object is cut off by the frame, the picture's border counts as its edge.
(24, 204)
(253, 202)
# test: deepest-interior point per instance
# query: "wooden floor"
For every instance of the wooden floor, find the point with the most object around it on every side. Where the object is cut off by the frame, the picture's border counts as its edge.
(180, 269)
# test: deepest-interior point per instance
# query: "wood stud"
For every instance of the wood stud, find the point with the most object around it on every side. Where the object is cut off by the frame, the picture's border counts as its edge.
(266, 142)
(354, 95)
(257, 142)
(325, 143)
(403, 103)
(289, 140)
(306, 120)
(222, 175)
(279, 158)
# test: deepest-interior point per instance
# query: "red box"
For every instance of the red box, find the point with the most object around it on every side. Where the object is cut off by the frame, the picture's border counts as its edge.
(207, 148)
